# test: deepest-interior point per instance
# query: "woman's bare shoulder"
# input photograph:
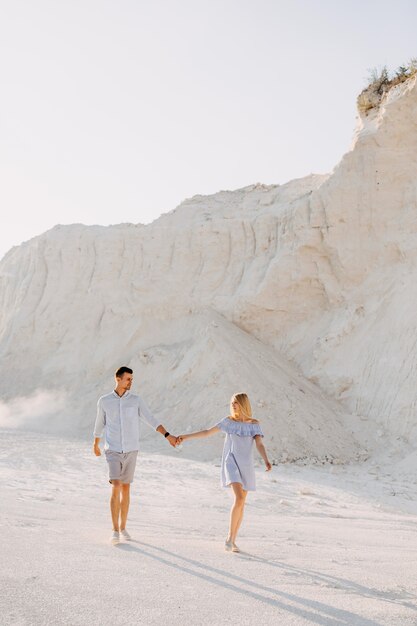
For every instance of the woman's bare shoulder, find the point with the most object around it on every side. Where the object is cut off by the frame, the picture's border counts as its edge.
(249, 421)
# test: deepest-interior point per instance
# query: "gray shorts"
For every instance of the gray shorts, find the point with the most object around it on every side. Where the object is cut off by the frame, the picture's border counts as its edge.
(121, 465)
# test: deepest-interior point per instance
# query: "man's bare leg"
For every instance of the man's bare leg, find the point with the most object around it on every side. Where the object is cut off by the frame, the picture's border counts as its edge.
(115, 503)
(124, 504)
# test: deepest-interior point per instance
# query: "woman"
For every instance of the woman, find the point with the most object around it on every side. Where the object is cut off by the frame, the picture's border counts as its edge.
(237, 470)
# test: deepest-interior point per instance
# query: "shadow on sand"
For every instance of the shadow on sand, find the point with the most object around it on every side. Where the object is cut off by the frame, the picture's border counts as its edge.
(311, 610)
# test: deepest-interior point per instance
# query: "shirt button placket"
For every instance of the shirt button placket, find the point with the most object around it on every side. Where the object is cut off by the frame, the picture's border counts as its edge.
(121, 425)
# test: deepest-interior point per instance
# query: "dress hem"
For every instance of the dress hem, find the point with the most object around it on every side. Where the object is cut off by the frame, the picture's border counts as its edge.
(240, 483)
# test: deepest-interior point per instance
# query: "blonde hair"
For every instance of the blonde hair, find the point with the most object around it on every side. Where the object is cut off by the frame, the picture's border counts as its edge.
(245, 407)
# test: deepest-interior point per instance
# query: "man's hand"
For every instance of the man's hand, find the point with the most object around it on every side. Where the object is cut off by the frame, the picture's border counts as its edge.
(97, 450)
(173, 440)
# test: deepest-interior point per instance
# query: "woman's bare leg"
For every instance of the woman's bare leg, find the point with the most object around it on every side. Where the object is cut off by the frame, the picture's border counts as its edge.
(236, 512)
(245, 493)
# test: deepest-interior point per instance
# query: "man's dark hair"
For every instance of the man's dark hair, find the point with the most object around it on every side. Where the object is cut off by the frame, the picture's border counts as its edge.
(123, 370)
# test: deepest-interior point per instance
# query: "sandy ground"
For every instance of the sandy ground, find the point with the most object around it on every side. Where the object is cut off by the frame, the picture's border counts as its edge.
(329, 546)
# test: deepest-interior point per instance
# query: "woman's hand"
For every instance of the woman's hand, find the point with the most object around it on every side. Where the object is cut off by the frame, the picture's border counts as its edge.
(268, 466)
(181, 438)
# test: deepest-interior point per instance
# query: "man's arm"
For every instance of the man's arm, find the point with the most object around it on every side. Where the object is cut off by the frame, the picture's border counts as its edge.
(171, 438)
(96, 446)
(152, 421)
(99, 427)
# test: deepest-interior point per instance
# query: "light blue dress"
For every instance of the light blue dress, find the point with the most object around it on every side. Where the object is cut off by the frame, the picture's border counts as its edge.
(237, 459)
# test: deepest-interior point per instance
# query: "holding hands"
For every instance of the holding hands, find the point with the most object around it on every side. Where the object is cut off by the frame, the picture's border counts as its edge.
(173, 440)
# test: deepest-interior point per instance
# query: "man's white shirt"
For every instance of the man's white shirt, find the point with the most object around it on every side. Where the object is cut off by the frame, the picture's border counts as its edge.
(118, 417)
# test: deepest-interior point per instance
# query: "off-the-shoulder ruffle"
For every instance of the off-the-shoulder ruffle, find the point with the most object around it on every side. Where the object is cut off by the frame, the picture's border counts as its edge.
(243, 429)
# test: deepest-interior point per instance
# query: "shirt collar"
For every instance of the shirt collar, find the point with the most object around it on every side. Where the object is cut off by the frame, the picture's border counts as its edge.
(126, 393)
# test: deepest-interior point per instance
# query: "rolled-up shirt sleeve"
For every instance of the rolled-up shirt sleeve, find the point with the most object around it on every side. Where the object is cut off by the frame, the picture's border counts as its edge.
(145, 413)
(100, 420)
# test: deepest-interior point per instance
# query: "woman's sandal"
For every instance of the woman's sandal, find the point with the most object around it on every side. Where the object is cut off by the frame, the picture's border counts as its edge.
(228, 546)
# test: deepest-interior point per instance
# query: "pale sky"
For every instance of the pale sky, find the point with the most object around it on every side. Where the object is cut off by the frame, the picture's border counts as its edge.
(117, 110)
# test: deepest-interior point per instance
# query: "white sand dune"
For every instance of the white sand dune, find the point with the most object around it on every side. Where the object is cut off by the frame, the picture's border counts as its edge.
(187, 373)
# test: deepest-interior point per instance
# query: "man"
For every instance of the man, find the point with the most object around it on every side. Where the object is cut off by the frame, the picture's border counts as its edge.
(118, 415)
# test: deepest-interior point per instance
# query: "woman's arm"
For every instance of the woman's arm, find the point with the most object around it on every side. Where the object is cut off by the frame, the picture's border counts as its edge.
(261, 449)
(200, 433)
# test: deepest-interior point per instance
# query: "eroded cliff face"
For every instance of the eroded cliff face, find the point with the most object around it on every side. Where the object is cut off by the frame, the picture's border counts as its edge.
(319, 271)
(360, 347)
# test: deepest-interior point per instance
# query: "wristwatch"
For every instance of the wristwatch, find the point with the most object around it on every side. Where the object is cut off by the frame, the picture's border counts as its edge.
(166, 434)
